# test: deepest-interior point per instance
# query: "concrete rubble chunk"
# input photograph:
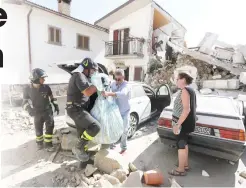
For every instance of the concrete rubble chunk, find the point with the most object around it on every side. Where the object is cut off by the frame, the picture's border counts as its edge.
(120, 174)
(221, 84)
(204, 173)
(206, 91)
(242, 77)
(68, 142)
(103, 183)
(89, 170)
(97, 175)
(113, 180)
(83, 184)
(85, 179)
(173, 183)
(65, 131)
(243, 174)
(107, 161)
(134, 180)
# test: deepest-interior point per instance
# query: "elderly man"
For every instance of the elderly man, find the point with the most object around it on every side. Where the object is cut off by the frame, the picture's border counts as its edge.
(121, 91)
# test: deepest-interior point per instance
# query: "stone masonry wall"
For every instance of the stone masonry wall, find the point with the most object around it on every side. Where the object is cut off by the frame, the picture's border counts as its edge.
(15, 92)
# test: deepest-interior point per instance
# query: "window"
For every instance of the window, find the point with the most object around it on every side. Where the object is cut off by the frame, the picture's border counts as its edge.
(54, 35)
(120, 42)
(137, 91)
(83, 42)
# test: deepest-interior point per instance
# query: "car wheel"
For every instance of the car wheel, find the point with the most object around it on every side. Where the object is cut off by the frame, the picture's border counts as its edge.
(133, 125)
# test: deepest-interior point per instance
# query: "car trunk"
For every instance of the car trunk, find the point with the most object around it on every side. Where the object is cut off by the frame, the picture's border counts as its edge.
(69, 67)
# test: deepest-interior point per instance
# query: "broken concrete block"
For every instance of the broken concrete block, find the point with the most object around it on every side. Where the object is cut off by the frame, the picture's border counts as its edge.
(204, 173)
(107, 161)
(243, 174)
(173, 183)
(221, 84)
(242, 77)
(103, 183)
(216, 77)
(205, 91)
(120, 174)
(113, 180)
(134, 180)
(68, 141)
(233, 84)
(97, 176)
(89, 170)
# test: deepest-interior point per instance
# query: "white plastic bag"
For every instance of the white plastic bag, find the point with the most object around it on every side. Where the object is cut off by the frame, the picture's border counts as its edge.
(107, 112)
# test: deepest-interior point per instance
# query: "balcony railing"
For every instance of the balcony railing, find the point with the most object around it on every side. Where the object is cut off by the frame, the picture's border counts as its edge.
(126, 47)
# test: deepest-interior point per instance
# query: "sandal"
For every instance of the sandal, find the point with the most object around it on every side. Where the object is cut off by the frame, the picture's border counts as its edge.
(174, 172)
(187, 168)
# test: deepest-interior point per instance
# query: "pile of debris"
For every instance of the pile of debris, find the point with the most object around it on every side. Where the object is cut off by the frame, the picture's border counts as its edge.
(109, 169)
(15, 120)
(201, 70)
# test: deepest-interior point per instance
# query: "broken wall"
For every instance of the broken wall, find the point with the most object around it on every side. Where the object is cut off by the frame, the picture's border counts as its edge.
(200, 71)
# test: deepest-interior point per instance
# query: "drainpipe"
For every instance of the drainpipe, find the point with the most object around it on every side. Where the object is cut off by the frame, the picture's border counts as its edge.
(29, 40)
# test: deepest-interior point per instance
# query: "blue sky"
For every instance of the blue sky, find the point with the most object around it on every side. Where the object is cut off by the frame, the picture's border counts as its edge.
(224, 17)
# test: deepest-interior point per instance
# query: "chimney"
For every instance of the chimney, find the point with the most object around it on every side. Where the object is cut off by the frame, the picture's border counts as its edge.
(64, 6)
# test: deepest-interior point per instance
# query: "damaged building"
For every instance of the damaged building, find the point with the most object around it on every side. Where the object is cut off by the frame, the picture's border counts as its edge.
(213, 64)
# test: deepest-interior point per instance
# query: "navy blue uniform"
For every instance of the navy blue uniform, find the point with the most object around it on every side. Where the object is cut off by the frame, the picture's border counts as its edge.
(41, 110)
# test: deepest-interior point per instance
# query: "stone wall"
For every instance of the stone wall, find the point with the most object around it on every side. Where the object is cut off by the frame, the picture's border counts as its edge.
(15, 92)
(199, 70)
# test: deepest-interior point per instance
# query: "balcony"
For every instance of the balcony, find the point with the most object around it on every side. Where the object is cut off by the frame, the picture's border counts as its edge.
(130, 48)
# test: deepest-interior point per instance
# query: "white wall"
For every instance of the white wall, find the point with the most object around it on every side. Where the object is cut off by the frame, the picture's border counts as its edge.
(139, 24)
(44, 55)
(14, 44)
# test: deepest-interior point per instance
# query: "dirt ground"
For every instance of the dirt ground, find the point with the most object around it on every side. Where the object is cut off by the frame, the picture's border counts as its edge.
(23, 165)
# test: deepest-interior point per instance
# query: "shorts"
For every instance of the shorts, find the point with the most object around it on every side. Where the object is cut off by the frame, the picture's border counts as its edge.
(182, 140)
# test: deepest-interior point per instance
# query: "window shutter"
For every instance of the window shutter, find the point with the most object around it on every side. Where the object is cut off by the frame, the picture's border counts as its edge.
(126, 41)
(115, 43)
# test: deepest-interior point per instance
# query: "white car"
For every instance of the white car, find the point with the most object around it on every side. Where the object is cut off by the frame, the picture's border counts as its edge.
(145, 102)
(220, 129)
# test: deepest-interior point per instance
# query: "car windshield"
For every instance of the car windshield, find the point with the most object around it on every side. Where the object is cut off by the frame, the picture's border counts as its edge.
(215, 105)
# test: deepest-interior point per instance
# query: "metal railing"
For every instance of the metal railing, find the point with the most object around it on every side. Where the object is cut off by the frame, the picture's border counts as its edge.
(125, 47)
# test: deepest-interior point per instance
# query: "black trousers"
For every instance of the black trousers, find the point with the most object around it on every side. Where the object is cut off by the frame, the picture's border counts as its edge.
(84, 121)
(40, 118)
(168, 55)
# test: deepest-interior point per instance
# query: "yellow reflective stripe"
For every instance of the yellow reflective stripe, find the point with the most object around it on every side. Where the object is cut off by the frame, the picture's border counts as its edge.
(47, 140)
(48, 135)
(86, 147)
(86, 136)
(39, 138)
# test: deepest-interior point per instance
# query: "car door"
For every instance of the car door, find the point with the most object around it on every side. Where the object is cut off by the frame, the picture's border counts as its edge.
(140, 102)
(162, 98)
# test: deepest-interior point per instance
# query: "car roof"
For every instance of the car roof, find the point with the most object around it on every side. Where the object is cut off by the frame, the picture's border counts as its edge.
(214, 104)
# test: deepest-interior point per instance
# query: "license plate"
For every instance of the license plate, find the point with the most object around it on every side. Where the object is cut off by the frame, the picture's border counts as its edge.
(203, 130)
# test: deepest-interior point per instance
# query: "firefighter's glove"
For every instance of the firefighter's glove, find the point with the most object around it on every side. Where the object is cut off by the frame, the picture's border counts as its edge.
(55, 104)
(30, 111)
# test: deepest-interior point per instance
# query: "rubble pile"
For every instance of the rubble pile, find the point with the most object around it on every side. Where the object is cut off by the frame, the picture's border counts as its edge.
(15, 120)
(110, 169)
(165, 75)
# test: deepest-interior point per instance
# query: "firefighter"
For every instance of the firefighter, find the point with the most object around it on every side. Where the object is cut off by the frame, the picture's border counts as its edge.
(78, 93)
(40, 107)
(169, 51)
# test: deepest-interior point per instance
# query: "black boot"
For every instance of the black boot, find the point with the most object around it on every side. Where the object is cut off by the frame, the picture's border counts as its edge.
(49, 147)
(79, 150)
(40, 145)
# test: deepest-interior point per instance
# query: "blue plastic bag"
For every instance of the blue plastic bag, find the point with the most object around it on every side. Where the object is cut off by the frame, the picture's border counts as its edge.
(106, 112)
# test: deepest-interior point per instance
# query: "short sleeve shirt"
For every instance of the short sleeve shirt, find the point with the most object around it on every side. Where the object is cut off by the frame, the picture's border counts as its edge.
(77, 84)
